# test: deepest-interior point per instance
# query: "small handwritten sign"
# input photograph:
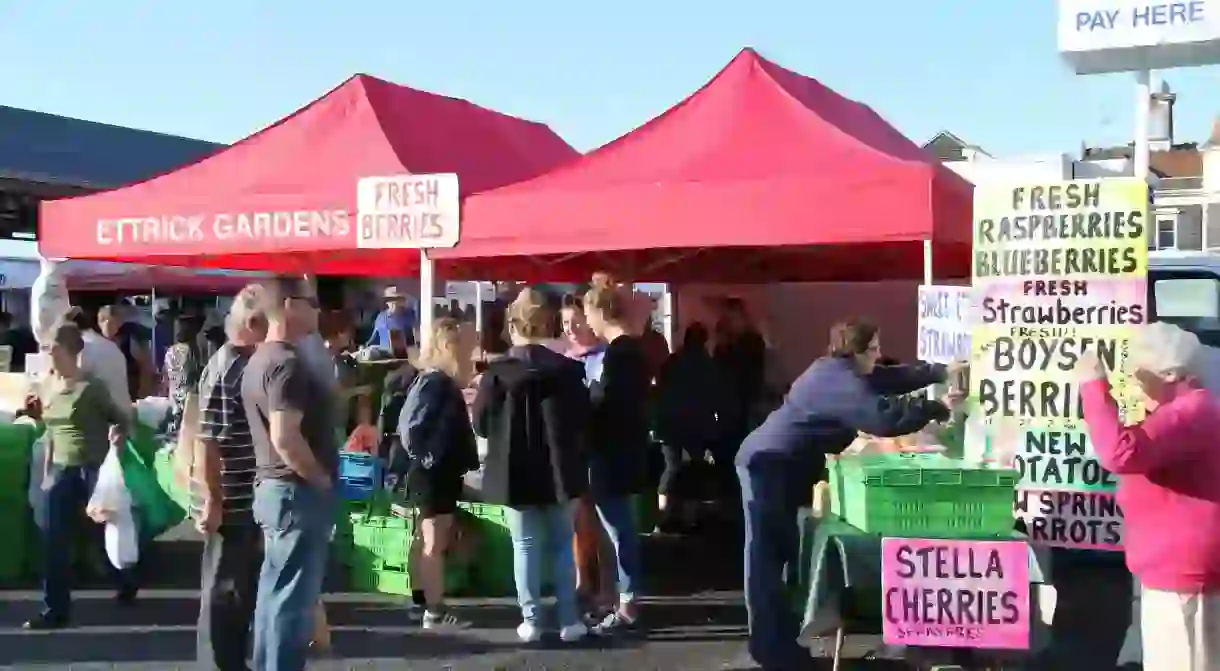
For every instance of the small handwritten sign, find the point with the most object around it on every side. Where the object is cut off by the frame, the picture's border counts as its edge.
(944, 324)
(407, 211)
(956, 594)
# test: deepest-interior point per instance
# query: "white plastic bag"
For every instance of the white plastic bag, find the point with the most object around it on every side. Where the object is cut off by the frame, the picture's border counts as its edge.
(37, 496)
(49, 300)
(122, 541)
(110, 492)
(111, 497)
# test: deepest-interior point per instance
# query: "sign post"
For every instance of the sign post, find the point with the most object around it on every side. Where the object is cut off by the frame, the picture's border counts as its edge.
(410, 212)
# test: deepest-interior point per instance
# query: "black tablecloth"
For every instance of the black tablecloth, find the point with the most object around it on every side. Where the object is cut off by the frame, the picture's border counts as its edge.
(839, 577)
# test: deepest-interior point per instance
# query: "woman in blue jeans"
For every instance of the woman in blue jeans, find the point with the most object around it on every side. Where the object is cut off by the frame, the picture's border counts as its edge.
(618, 460)
(533, 409)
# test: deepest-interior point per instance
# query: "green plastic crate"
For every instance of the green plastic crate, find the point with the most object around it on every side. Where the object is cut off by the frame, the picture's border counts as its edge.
(376, 554)
(19, 541)
(921, 495)
(383, 538)
(491, 572)
(385, 579)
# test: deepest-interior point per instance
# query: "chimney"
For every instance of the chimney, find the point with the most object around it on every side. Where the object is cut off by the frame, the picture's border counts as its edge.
(1160, 119)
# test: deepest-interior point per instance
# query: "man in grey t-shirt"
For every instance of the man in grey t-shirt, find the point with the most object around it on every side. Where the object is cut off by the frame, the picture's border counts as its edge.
(291, 416)
(280, 379)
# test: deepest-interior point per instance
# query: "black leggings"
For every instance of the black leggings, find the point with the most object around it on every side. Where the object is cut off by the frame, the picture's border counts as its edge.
(677, 476)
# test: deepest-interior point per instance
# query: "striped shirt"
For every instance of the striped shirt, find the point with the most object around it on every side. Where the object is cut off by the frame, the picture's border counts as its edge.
(222, 420)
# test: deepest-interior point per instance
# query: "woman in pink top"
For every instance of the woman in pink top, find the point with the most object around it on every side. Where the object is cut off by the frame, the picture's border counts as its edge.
(1169, 490)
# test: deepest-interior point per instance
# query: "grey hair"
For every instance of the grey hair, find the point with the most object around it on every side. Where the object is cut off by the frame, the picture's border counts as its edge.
(1161, 347)
(249, 303)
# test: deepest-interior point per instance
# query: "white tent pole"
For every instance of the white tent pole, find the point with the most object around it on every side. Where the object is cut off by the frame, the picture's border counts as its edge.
(427, 290)
(153, 340)
(478, 306)
(927, 280)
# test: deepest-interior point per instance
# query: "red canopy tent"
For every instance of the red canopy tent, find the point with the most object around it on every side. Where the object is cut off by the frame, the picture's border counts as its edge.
(761, 175)
(284, 198)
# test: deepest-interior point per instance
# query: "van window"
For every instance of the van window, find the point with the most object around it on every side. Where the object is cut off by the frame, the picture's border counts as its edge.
(1179, 297)
(1190, 299)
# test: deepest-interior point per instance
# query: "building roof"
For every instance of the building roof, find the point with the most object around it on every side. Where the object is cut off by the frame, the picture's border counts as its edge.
(47, 148)
(949, 147)
(1183, 160)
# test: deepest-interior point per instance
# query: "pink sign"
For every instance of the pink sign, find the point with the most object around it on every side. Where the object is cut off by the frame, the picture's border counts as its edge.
(955, 594)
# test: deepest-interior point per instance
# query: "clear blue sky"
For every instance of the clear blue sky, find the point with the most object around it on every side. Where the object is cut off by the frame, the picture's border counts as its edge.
(219, 70)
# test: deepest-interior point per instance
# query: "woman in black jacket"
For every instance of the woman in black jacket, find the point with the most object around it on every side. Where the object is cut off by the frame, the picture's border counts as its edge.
(618, 460)
(436, 436)
(532, 406)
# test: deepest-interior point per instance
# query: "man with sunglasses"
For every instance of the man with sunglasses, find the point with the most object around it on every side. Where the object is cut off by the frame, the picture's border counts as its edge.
(291, 410)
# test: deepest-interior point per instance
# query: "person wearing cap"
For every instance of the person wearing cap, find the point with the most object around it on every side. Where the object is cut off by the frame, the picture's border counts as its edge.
(400, 314)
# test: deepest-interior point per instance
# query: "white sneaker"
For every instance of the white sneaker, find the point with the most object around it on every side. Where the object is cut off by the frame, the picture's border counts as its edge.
(573, 632)
(529, 632)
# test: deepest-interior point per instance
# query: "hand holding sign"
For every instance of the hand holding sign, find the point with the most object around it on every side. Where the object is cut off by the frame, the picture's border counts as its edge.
(1089, 367)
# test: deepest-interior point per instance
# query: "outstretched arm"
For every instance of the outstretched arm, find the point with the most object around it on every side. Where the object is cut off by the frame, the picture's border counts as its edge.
(906, 378)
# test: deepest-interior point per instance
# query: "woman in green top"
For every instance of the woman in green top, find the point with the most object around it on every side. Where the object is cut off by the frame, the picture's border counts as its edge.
(79, 415)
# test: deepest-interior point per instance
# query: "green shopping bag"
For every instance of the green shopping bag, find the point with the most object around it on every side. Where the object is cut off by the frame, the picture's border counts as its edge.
(143, 439)
(155, 510)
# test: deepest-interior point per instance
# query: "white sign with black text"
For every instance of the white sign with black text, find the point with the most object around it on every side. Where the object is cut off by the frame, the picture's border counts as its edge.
(944, 324)
(407, 211)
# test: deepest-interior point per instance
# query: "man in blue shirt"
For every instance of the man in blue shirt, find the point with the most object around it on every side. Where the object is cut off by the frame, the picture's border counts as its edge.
(400, 314)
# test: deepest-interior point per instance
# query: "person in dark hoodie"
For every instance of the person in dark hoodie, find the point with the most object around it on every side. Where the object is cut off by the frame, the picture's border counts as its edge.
(838, 396)
(533, 408)
(694, 405)
(435, 433)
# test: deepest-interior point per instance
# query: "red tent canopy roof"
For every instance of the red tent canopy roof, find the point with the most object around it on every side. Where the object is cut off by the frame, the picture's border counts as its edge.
(762, 174)
(307, 165)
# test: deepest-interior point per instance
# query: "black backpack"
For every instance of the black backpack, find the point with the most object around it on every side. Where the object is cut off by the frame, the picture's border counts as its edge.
(393, 398)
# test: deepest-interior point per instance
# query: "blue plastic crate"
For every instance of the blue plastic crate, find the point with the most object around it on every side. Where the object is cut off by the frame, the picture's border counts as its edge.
(359, 475)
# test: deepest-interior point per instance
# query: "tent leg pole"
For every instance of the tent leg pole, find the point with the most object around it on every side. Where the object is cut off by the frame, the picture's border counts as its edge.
(478, 306)
(927, 262)
(153, 339)
(427, 306)
(927, 280)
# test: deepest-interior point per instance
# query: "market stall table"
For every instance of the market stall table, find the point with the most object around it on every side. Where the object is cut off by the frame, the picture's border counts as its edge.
(838, 582)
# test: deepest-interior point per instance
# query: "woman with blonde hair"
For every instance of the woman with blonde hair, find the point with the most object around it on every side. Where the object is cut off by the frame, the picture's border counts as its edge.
(618, 461)
(533, 408)
(1167, 467)
(436, 438)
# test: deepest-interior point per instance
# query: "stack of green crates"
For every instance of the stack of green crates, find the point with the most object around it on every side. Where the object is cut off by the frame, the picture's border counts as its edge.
(373, 545)
(16, 523)
(491, 573)
(921, 496)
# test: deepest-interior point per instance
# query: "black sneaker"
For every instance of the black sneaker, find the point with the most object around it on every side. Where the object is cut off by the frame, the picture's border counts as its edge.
(45, 622)
(594, 615)
(614, 623)
(126, 596)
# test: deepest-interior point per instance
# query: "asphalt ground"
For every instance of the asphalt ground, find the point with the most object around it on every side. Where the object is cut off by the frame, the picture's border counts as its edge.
(695, 621)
